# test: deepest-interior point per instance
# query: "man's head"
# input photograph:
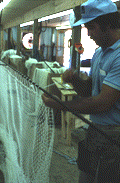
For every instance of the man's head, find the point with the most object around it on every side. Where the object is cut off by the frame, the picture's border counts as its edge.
(101, 19)
(104, 29)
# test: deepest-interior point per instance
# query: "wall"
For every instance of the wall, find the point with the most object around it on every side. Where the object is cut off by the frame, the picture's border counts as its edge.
(14, 33)
(46, 40)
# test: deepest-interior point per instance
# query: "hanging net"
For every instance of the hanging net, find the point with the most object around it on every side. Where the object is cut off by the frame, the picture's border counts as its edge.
(26, 130)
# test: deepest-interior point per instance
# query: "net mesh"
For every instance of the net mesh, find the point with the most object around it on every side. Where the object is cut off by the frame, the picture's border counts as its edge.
(28, 126)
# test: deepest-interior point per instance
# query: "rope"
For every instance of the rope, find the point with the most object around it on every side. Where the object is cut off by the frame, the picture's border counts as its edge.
(72, 161)
(49, 67)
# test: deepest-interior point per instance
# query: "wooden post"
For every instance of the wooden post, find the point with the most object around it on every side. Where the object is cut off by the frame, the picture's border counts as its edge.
(9, 38)
(63, 113)
(18, 40)
(118, 5)
(76, 37)
(1, 39)
(35, 37)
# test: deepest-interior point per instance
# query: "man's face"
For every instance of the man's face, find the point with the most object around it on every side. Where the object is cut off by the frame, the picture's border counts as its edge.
(95, 33)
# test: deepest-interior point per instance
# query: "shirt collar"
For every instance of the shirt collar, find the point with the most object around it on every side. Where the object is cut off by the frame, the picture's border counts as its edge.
(113, 47)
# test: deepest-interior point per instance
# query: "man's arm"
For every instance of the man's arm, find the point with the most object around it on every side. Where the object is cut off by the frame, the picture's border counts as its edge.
(101, 103)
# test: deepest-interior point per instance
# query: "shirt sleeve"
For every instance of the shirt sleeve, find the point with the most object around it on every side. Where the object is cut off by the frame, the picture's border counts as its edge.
(91, 63)
(113, 77)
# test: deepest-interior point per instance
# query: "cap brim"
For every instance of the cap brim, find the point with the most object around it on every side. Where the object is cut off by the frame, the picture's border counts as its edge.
(83, 21)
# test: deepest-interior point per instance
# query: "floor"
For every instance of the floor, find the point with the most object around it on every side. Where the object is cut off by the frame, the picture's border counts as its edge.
(63, 168)
(62, 171)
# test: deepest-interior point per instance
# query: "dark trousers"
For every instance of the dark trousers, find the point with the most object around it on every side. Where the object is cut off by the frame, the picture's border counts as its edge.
(109, 163)
(1, 177)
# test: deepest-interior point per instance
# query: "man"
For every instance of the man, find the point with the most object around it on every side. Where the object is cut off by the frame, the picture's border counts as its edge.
(103, 23)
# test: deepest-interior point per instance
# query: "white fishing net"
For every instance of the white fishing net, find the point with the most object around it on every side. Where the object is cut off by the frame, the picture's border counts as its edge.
(26, 130)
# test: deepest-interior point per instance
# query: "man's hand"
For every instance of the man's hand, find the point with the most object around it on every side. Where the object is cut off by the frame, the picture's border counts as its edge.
(49, 102)
(68, 75)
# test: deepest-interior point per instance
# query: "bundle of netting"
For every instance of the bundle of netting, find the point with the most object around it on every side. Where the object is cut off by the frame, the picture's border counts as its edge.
(26, 131)
(8, 53)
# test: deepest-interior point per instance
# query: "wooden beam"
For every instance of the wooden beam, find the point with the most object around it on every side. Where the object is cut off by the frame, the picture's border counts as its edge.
(46, 9)
(9, 38)
(35, 37)
(76, 37)
(1, 39)
(18, 40)
(118, 5)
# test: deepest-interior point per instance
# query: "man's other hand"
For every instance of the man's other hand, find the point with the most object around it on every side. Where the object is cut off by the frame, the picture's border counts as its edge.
(68, 75)
(52, 103)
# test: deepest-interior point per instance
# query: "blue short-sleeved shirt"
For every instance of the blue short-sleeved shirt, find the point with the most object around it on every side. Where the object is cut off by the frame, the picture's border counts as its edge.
(105, 68)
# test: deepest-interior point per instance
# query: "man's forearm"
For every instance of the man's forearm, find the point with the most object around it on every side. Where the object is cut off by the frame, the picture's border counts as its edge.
(101, 103)
(87, 105)
(82, 87)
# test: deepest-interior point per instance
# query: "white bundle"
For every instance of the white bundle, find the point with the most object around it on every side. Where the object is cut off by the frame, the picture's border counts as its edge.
(59, 70)
(56, 64)
(44, 66)
(10, 168)
(40, 77)
(55, 70)
(52, 64)
(29, 62)
(15, 59)
(8, 53)
(62, 70)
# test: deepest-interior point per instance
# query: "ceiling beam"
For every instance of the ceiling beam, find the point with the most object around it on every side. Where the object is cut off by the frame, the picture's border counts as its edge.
(48, 8)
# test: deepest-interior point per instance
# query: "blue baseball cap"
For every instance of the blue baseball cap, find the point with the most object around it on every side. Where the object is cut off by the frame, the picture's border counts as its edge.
(95, 8)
